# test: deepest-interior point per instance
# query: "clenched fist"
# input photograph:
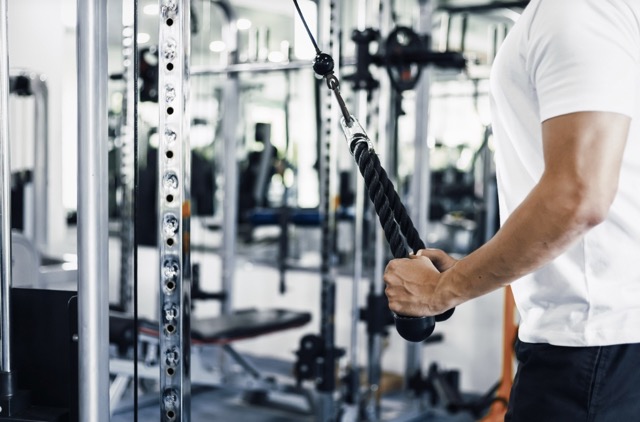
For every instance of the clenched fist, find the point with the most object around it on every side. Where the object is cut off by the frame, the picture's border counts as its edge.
(416, 286)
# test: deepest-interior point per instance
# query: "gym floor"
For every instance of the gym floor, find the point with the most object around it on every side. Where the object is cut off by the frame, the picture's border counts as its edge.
(222, 404)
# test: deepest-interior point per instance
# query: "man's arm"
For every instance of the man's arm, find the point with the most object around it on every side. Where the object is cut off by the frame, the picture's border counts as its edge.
(583, 155)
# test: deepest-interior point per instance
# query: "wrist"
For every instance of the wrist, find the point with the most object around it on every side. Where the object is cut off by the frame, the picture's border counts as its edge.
(447, 290)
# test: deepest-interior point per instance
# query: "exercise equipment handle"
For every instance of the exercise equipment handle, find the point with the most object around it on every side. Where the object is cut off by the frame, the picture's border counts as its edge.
(394, 218)
(398, 228)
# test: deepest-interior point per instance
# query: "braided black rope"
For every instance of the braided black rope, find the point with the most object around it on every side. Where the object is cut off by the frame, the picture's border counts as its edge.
(393, 216)
(399, 211)
(398, 228)
(380, 200)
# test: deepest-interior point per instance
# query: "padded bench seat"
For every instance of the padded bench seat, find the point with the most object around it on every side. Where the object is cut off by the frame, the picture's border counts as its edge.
(304, 217)
(218, 330)
(298, 216)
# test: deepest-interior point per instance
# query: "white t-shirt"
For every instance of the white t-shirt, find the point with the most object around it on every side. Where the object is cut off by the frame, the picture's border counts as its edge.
(565, 56)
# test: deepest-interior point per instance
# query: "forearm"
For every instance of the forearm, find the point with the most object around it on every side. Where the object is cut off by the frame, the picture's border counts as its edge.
(551, 218)
(583, 154)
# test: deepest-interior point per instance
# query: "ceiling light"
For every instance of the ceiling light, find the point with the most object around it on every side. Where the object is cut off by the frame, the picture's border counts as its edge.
(151, 9)
(217, 46)
(243, 24)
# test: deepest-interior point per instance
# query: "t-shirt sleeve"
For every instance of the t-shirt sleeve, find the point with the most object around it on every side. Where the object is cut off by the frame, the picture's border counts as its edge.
(583, 56)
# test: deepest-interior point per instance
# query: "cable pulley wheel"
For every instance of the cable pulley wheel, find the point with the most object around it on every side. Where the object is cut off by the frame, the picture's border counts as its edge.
(402, 43)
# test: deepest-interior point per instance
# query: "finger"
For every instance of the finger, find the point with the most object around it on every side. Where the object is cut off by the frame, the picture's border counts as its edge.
(431, 253)
(426, 261)
(440, 258)
(390, 272)
(391, 266)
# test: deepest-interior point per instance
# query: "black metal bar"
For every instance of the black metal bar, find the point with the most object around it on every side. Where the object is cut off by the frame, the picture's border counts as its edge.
(484, 7)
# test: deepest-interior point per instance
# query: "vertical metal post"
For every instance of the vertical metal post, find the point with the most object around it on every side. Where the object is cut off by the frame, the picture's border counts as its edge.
(41, 161)
(93, 282)
(35, 85)
(420, 183)
(361, 110)
(128, 164)
(329, 38)
(489, 189)
(174, 163)
(445, 32)
(229, 123)
(5, 195)
(386, 131)
(497, 34)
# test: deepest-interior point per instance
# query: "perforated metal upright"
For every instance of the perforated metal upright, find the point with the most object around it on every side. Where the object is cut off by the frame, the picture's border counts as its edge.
(421, 180)
(128, 165)
(174, 210)
(386, 132)
(329, 14)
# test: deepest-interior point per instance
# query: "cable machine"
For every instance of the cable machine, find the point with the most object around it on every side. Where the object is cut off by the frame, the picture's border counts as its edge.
(174, 326)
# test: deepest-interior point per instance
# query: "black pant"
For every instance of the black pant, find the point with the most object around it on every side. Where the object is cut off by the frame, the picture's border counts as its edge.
(566, 384)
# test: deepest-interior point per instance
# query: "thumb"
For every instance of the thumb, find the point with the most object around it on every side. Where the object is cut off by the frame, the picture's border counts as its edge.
(440, 258)
(426, 261)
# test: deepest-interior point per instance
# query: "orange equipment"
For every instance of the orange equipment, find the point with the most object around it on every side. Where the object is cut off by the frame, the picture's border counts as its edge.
(509, 331)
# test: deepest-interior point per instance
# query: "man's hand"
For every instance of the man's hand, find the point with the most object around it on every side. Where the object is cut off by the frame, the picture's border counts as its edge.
(440, 259)
(414, 283)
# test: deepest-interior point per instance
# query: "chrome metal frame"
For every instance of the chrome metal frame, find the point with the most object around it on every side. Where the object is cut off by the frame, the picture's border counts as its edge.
(421, 180)
(231, 94)
(40, 216)
(41, 161)
(5, 195)
(386, 131)
(174, 181)
(362, 113)
(128, 167)
(93, 268)
(329, 17)
(250, 67)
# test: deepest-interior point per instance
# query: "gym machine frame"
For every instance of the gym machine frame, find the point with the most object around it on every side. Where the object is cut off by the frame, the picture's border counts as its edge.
(93, 269)
(7, 384)
(128, 168)
(398, 227)
(174, 210)
(29, 84)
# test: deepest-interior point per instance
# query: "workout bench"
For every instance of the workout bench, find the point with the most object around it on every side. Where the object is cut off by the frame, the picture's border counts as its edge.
(218, 331)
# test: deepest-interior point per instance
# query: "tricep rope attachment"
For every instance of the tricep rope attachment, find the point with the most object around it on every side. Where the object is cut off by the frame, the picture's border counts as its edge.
(399, 230)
